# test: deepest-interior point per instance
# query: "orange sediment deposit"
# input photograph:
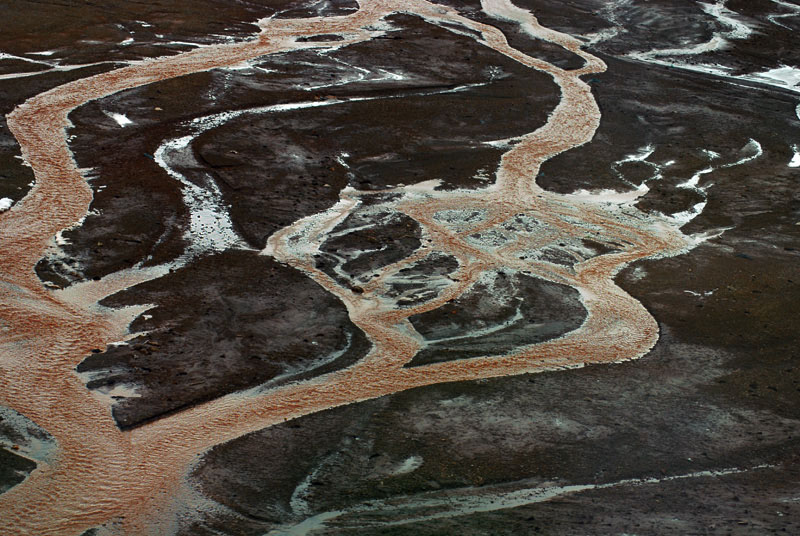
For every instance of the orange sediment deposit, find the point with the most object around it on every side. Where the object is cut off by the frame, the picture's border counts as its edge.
(131, 480)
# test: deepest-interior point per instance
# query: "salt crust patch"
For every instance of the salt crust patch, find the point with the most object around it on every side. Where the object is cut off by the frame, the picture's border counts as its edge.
(795, 161)
(121, 119)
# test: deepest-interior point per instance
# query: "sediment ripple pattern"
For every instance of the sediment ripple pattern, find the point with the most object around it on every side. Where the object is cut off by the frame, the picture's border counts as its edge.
(131, 481)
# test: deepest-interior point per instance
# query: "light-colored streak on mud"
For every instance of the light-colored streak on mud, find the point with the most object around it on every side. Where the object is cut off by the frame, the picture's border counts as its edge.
(788, 6)
(719, 41)
(56, 69)
(430, 506)
(131, 478)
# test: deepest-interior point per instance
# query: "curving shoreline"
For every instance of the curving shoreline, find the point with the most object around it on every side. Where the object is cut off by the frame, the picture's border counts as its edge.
(103, 474)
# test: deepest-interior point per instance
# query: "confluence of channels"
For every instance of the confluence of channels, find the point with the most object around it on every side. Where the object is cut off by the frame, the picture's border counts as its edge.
(133, 482)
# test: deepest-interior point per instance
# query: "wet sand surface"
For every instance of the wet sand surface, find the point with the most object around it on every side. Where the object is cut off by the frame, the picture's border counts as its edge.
(400, 268)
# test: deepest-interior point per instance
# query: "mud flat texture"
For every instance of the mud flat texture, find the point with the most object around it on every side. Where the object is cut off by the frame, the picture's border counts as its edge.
(333, 250)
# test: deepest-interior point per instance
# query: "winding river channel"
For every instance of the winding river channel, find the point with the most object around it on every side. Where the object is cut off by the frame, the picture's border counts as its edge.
(132, 481)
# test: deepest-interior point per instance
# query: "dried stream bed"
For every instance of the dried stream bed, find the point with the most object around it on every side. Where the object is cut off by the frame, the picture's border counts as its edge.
(328, 279)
